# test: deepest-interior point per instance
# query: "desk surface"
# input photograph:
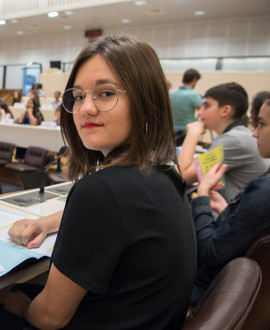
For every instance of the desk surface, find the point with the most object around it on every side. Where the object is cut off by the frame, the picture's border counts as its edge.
(27, 135)
(41, 266)
(48, 114)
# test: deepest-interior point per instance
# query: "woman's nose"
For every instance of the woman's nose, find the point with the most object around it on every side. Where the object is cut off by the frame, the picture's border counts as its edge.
(88, 106)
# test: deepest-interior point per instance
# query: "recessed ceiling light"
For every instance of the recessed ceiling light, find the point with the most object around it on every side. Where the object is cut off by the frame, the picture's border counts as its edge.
(126, 20)
(53, 14)
(20, 33)
(2, 22)
(14, 20)
(199, 13)
(139, 3)
(67, 27)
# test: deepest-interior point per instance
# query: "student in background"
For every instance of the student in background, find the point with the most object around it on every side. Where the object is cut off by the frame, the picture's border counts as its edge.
(185, 101)
(17, 97)
(57, 101)
(5, 113)
(221, 112)
(125, 253)
(32, 115)
(240, 223)
(33, 94)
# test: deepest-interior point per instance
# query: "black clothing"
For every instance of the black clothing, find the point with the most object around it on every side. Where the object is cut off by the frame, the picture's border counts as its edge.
(128, 239)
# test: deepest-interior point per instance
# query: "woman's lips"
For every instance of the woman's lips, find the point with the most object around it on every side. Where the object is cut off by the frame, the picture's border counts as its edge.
(90, 125)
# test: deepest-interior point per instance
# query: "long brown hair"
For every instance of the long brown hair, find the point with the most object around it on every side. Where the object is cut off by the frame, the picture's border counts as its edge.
(140, 74)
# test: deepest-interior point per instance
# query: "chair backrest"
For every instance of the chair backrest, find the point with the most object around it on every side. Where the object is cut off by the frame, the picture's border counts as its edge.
(229, 298)
(36, 157)
(6, 151)
(259, 316)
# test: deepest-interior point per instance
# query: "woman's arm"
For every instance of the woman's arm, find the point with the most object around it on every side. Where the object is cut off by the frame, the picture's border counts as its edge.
(20, 119)
(32, 232)
(32, 119)
(187, 152)
(54, 307)
(245, 218)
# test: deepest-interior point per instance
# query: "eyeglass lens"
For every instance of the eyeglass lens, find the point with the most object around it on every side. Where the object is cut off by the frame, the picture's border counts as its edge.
(105, 98)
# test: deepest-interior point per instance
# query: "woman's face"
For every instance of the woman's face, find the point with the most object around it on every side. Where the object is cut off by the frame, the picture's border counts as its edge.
(262, 132)
(101, 130)
(30, 103)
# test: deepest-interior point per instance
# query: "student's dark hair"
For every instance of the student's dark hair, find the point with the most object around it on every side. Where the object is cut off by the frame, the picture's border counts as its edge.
(36, 96)
(190, 75)
(139, 72)
(5, 107)
(257, 102)
(231, 94)
(36, 106)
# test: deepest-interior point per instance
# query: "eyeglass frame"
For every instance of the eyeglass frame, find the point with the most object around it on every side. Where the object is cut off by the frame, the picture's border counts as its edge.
(93, 98)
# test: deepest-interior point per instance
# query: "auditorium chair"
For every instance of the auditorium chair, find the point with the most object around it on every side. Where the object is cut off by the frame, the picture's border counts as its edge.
(31, 170)
(259, 317)
(34, 160)
(229, 299)
(6, 152)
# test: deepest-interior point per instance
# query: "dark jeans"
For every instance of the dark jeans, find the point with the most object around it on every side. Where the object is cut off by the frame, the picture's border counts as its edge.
(9, 321)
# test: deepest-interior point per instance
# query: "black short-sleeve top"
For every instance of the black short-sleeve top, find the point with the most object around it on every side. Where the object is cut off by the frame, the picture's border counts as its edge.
(128, 239)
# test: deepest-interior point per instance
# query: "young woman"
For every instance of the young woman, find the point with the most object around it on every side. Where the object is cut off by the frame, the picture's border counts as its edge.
(5, 113)
(32, 115)
(125, 255)
(17, 97)
(240, 223)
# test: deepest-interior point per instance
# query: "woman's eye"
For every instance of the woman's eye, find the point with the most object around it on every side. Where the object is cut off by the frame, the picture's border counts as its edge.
(106, 93)
(77, 98)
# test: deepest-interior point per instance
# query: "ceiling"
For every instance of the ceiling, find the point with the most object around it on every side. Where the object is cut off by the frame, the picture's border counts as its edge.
(152, 12)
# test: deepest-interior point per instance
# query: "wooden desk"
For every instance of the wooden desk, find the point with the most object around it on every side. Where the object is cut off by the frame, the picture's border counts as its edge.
(29, 272)
(27, 135)
(48, 114)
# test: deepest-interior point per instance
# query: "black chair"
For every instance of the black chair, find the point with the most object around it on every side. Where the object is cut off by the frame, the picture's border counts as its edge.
(6, 152)
(229, 299)
(34, 160)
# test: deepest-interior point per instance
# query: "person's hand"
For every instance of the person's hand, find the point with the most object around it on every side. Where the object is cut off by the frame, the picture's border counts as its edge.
(17, 303)
(195, 128)
(29, 110)
(28, 232)
(211, 178)
(217, 202)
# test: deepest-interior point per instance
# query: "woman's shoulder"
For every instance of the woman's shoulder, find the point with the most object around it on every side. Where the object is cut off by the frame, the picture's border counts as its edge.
(261, 184)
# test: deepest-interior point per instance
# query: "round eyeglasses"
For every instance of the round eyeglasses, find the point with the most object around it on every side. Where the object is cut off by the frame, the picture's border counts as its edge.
(105, 98)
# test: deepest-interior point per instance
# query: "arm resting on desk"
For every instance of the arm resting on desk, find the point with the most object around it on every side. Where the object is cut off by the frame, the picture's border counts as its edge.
(32, 232)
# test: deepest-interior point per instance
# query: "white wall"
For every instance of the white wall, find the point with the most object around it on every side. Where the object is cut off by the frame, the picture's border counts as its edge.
(227, 37)
(247, 36)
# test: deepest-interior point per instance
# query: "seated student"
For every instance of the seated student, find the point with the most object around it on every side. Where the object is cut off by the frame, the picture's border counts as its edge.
(222, 111)
(32, 115)
(125, 254)
(240, 223)
(33, 94)
(57, 102)
(17, 97)
(5, 113)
